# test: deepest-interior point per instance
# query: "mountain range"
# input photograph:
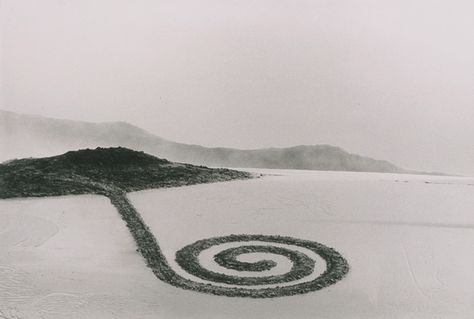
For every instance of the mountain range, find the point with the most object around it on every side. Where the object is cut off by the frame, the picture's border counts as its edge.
(38, 136)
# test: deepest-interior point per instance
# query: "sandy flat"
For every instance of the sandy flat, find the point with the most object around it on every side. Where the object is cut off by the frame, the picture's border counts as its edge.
(408, 240)
(70, 257)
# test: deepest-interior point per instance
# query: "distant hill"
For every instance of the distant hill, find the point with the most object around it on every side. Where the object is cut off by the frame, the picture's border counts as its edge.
(28, 135)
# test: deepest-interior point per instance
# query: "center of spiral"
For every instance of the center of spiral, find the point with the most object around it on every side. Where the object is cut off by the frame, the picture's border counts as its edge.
(228, 259)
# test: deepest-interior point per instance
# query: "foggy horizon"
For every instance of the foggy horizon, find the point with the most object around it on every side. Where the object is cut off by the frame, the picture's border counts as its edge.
(391, 80)
(280, 159)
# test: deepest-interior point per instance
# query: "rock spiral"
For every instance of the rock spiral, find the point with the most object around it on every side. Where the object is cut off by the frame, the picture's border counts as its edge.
(216, 283)
(302, 266)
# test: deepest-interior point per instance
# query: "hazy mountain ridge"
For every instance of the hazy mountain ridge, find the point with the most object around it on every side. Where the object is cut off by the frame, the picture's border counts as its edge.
(33, 136)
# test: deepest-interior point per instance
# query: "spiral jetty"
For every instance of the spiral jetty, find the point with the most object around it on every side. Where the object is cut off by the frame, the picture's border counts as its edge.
(113, 172)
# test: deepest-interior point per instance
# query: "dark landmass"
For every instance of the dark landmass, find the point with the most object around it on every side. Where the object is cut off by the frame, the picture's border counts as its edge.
(101, 171)
(114, 171)
(27, 135)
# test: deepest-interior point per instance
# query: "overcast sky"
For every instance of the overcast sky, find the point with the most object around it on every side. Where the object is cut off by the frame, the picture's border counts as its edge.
(388, 79)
